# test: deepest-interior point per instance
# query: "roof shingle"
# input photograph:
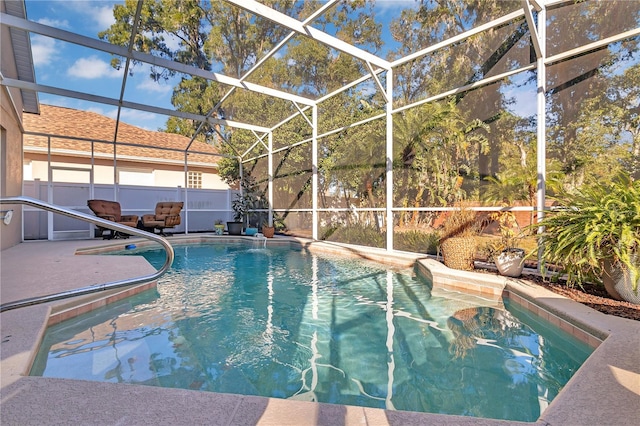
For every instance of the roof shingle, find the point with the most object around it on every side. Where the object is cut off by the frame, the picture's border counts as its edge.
(72, 123)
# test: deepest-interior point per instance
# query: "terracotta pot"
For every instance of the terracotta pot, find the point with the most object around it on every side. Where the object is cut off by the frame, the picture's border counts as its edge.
(617, 282)
(268, 231)
(510, 262)
(459, 252)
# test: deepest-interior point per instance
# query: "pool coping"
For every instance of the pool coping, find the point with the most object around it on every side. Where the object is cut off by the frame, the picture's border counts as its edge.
(605, 390)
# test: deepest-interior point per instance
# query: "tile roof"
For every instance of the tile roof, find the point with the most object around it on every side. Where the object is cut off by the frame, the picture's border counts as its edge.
(60, 121)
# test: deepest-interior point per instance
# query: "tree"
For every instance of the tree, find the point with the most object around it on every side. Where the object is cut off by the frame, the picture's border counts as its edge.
(581, 90)
(437, 150)
(607, 129)
(211, 35)
(491, 52)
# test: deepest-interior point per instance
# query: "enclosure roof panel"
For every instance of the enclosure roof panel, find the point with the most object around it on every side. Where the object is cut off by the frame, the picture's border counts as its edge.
(357, 38)
(21, 49)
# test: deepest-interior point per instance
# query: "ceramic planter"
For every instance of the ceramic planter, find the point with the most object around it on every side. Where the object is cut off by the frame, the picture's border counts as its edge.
(617, 282)
(510, 262)
(234, 228)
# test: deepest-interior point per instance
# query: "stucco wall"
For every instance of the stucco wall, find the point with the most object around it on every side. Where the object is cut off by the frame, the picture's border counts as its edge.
(11, 142)
(10, 166)
(152, 176)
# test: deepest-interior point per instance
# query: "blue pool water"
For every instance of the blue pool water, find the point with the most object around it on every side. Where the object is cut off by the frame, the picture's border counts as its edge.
(288, 324)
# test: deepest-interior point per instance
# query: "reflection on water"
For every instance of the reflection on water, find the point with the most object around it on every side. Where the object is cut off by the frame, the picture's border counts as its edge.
(285, 324)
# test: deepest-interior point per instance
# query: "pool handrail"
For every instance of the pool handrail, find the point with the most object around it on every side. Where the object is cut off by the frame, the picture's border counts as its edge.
(32, 202)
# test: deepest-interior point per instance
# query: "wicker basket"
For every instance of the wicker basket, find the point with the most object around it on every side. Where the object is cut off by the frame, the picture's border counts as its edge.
(459, 252)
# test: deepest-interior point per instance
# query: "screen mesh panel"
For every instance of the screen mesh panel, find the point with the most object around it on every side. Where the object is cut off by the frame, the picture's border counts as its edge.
(364, 228)
(292, 178)
(352, 167)
(592, 101)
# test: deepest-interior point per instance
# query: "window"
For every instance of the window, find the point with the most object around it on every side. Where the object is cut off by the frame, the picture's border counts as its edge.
(194, 180)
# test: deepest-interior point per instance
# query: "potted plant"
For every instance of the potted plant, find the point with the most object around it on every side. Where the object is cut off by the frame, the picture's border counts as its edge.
(219, 227)
(595, 235)
(239, 206)
(457, 240)
(235, 227)
(242, 205)
(508, 258)
(268, 230)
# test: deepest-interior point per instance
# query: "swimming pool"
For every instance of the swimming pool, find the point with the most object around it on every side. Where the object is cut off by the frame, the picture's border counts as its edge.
(282, 323)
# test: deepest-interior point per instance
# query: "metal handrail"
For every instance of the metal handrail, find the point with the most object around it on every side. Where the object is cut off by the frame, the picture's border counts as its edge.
(102, 223)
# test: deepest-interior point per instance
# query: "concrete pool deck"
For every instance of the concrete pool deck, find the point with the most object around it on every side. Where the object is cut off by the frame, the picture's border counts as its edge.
(605, 391)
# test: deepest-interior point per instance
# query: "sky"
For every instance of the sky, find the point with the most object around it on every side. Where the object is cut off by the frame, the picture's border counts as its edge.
(72, 67)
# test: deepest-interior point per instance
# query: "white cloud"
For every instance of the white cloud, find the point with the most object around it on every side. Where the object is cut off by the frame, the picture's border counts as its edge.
(43, 49)
(56, 23)
(172, 41)
(97, 13)
(93, 67)
(394, 7)
(102, 15)
(142, 119)
(148, 85)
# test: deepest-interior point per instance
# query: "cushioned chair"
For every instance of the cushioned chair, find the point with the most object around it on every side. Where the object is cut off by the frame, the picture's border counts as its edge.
(110, 210)
(167, 215)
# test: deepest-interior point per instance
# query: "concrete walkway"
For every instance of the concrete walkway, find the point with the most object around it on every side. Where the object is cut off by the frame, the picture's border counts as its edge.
(606, 390)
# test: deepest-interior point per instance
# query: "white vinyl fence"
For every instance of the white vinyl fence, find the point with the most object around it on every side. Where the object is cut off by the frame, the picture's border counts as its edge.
(201, 207)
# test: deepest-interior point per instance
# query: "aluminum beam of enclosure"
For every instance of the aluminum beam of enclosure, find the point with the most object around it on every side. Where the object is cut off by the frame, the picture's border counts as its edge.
(460, 37)
(538, 43)
(103, 46)
(21, 46)
(270, 54)
(127, 65)
(273, 51)
(10, 82)
(308, 31)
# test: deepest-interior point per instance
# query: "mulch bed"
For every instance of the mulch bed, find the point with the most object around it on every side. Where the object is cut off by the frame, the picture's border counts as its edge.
(593, 296)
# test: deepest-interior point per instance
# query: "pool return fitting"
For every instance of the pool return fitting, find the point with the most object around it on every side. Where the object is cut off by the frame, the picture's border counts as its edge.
(262, 238)
(8, 214)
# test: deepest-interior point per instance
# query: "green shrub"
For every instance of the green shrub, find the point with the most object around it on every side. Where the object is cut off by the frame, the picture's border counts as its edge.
(595, 224)
(416, 241)
(354, 234)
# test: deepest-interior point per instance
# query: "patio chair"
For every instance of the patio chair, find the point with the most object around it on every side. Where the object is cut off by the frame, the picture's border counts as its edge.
(110, 210)
(167, 215)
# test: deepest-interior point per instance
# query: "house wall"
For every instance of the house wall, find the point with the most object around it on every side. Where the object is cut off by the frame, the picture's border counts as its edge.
(10, 170)
(130, 173)
(10, 146)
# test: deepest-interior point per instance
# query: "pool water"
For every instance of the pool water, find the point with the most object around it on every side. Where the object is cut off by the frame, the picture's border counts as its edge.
(283, 323)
